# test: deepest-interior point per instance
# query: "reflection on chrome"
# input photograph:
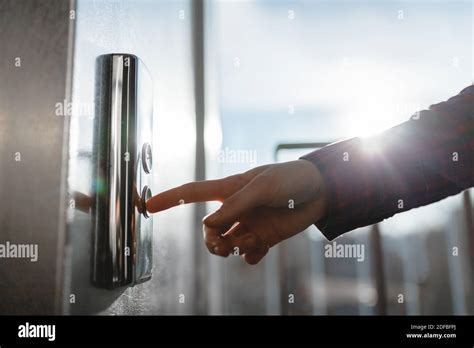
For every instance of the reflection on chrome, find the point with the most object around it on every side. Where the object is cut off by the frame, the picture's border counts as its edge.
(122, 230)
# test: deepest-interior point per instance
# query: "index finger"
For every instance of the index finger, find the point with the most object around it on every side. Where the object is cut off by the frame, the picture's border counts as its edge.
(192, 192)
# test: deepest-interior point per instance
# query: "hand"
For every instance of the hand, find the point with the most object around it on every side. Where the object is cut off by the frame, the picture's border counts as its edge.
(260, 208)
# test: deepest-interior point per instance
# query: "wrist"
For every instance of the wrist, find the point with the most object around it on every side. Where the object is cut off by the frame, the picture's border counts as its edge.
(319, 199)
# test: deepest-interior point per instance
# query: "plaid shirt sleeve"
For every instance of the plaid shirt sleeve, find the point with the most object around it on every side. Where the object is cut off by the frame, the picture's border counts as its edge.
(418, 162)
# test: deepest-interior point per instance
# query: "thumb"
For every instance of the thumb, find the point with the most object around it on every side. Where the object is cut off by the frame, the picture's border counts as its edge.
(251, 196)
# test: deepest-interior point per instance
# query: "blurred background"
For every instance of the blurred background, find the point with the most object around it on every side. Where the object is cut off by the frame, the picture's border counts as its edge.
(290, 76)
(239, 84)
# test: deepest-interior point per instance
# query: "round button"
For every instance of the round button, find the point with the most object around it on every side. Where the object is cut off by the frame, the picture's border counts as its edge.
(146, 194)
(147, 158)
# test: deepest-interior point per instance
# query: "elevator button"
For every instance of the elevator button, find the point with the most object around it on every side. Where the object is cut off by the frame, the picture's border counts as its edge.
(147, 158)
(146, 194)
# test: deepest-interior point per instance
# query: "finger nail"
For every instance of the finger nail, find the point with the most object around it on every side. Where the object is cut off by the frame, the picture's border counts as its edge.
(220, 251)
(146, 205)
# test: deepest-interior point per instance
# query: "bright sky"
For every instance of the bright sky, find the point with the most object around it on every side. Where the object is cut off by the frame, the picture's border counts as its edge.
(368, 64)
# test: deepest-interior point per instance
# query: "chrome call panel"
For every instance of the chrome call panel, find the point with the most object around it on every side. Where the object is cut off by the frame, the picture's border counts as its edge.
(122, 250)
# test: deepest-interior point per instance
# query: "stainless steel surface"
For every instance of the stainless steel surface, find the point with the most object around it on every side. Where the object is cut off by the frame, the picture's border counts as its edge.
(154, 32)
(122, 230)
(34, 39)
(147, 158)
(146, 194)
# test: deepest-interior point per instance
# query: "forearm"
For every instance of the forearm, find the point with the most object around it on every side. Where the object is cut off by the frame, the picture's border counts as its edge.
(415, 163)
